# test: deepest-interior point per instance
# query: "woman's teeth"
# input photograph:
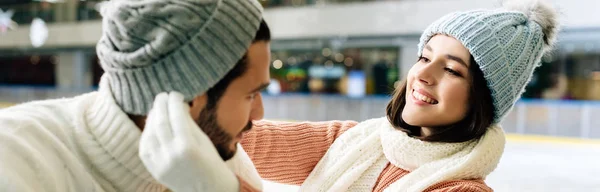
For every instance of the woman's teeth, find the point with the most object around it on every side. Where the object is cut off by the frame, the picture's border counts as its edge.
(424, 98)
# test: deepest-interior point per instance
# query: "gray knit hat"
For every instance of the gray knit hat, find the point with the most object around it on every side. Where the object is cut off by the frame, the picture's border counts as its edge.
(153, 46)
(507, 44)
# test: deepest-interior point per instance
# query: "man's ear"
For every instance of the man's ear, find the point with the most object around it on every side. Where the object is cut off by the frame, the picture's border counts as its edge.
(197, 104)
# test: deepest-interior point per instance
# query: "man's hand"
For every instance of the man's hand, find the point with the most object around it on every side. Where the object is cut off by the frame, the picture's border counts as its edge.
(178, 154)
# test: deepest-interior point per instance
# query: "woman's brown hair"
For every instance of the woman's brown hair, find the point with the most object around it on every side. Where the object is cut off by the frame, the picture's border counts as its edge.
(479, 116)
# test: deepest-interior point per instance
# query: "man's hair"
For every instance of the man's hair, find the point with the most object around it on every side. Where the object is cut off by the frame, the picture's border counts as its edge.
(479, 117)
(215, 93)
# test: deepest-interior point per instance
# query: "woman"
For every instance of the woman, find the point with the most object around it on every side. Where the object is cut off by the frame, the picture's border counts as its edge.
(441, 132)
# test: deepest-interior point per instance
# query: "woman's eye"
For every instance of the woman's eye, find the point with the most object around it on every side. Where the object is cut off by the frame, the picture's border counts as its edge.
(452, 72)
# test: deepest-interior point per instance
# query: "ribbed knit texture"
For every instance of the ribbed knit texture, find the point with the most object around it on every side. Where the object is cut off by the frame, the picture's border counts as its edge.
(506, 45)
(396, 173)
(154, 46)
(287, 152)
(86, 143)
(111, 143)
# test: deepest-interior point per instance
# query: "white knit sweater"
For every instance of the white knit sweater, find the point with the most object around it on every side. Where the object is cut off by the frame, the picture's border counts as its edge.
(84, 143)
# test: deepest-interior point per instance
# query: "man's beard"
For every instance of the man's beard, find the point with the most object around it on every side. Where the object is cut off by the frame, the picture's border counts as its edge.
(222, 141)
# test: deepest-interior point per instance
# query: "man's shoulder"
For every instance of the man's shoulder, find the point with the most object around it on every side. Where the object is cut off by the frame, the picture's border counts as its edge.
(48, 103)
(44, 108)
(37, 142)
(34, 135)
(29, 156)
(40, 118)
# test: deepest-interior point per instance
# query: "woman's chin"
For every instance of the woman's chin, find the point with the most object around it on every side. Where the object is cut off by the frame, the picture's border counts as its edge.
(419, 122)
(413, 119)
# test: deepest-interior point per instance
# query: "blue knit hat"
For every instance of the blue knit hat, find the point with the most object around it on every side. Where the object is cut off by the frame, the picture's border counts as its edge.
(507, 44)
(153, 46)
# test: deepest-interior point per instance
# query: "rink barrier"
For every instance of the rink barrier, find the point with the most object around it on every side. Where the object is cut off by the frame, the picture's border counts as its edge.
(555, 118)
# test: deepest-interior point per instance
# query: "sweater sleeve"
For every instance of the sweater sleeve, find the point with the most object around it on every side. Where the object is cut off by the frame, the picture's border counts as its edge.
(460, 186)
(286, 152)
(17, 166)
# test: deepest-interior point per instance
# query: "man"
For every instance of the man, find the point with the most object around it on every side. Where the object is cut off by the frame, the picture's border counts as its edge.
(204, 61)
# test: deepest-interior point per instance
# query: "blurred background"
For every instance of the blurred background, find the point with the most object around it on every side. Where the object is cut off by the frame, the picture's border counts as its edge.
(340, 59)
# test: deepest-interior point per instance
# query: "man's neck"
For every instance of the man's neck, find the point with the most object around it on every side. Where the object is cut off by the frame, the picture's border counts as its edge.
(140, 121)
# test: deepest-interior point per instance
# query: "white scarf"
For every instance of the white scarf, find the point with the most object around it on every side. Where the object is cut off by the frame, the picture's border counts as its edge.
(243, 167)
(357, 158)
